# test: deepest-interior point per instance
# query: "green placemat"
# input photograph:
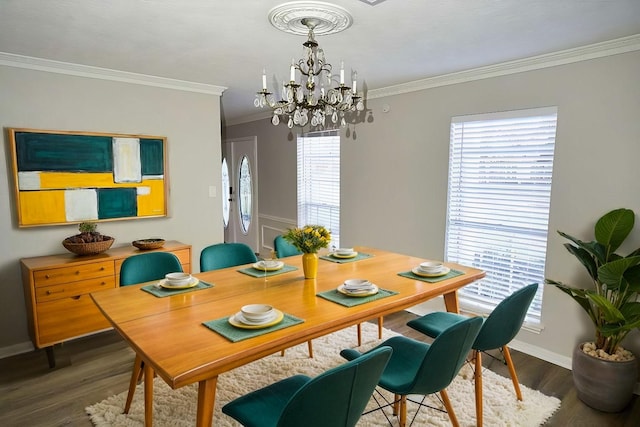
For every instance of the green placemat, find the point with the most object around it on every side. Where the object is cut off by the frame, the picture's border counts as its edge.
(230, 332)
(449, 275)
(358, 257)
(342, 299)
(163, 292)
(261, 273)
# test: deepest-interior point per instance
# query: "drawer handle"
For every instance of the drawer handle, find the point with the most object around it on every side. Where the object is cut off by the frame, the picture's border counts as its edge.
(46, 276)
(77, 297)
(77, 271)
(55, 292)
(101, 268)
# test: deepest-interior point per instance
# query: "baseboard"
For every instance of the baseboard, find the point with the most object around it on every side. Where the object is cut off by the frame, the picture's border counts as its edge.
(14, 349)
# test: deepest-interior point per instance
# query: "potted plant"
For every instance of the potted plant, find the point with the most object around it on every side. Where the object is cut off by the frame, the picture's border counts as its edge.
(309, 240)
(606, 376)
(89, 241)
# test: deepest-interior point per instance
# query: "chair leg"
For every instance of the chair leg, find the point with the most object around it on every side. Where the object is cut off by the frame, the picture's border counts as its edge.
(282, 353)
(359, 335)
(136, 376)
(478, 386)
(310, 346)
(396, 404)
(449, 408)
(403, 410)
(512, 371)
(380, 321)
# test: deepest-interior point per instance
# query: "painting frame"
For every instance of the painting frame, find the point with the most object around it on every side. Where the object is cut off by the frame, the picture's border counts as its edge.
(68, 177)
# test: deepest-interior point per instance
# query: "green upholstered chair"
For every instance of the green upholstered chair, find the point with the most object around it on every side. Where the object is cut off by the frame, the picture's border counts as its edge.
(418, 368)
(283, 248)
(147, 267)
(223, 255)
(139, 269)
(334, 398)
(498, 329)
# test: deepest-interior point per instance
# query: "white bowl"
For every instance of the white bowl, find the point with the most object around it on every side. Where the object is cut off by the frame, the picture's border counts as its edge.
(344, 251)
(178, 279)
(357, 284)
(256, 312)
(269, 263)
(431, 266)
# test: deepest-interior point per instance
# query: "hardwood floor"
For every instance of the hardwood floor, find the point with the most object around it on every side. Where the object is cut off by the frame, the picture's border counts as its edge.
(90, 369)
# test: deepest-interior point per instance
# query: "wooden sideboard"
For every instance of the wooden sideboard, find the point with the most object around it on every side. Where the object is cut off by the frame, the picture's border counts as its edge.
(57, 287)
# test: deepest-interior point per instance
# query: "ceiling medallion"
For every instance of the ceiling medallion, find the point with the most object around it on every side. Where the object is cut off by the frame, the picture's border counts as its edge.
(314, 95)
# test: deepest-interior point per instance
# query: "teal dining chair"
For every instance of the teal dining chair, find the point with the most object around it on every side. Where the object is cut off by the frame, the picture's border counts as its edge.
(223, 255)
(283, 248)
(497, 331)
(418, 368)
(139, 269)
(334, 398)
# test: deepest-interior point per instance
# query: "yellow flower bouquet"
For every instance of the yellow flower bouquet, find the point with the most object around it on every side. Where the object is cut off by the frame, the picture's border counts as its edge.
(308, 239)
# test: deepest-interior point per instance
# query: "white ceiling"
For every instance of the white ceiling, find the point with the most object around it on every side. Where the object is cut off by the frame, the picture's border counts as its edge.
(228, 42)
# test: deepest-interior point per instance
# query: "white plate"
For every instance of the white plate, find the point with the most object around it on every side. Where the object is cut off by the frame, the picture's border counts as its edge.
(345, 256)
(240, 318)
(235, 321)
(419, 272)
(260, 266)
(362, 293)
(165, 284)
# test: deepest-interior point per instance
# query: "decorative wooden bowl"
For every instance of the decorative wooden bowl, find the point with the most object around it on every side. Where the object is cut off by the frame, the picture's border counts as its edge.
(91, 248)
(146, 244)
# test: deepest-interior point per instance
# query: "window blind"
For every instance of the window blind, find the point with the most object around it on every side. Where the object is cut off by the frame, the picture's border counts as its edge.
(500, 171)
(319, 181)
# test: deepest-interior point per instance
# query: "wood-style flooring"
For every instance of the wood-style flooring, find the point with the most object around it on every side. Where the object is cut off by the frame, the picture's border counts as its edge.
(93, 368)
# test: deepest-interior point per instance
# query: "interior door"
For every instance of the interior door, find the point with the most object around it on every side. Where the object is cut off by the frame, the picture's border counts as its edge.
(240, 191)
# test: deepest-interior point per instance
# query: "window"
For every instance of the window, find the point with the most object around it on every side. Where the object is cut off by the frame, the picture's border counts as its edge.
(500, 169)
(319, 181)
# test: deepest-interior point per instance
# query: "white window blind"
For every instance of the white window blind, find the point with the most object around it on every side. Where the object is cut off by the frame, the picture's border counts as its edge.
(500, 170)
(319, 181)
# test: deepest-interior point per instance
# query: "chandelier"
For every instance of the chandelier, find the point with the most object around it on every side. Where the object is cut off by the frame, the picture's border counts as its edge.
(315, 97)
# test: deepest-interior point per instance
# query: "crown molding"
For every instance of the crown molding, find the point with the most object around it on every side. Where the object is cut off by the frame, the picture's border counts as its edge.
(584, 53)
(39, 64)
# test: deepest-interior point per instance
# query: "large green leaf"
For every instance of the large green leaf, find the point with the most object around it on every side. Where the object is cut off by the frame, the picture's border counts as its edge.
(594, 248)
(579, 295)
(585, 258)
(614, 227)
(608, 310)
(614, 274)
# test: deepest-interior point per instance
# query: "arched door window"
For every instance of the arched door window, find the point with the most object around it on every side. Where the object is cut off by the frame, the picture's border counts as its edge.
(245, 194)
(226, 193)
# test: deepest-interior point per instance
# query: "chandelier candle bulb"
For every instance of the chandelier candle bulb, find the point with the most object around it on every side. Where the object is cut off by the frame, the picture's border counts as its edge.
(264, 79)
(341, 72)
(293, 72)
(355, 82)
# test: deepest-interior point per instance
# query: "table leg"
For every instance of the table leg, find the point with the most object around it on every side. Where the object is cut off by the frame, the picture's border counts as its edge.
(148, 395)
(451, 302)
(206, 402)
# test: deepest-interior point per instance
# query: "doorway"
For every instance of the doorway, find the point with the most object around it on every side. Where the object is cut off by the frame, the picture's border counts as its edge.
(240, 191)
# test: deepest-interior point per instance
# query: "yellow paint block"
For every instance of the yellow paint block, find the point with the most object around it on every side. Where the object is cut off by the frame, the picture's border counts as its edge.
(41, 207)
(151, 200)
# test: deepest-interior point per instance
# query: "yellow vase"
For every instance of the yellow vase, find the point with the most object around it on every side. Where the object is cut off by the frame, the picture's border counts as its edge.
(310, 265)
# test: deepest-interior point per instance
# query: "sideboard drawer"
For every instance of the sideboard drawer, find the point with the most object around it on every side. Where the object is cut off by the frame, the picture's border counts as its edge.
(61, 319)
(74, 289)
(57, 288)
(55, 276)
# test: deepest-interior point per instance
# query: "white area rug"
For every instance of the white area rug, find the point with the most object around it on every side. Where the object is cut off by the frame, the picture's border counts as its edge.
(178, 407)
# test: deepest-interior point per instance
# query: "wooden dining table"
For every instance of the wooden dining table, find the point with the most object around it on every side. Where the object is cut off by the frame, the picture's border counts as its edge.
(168, 334)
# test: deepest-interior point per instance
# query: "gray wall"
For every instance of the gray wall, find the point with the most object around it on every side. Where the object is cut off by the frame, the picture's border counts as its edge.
(43, 100)
(394, 171)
